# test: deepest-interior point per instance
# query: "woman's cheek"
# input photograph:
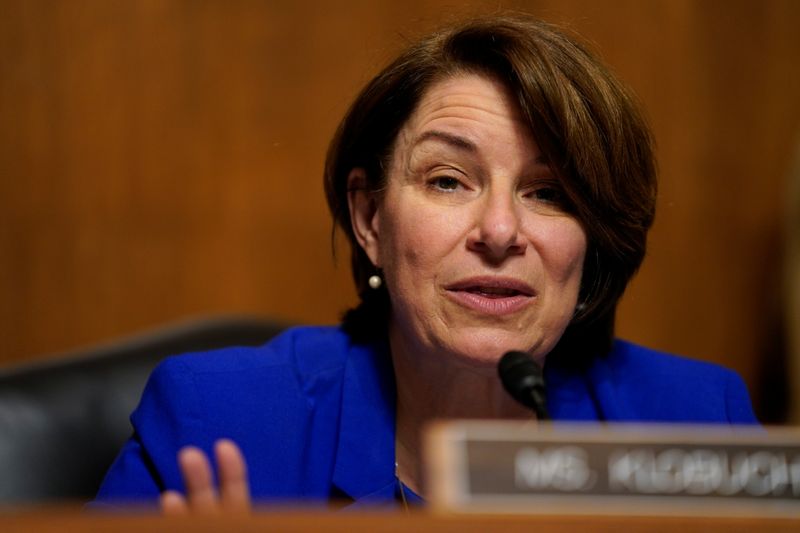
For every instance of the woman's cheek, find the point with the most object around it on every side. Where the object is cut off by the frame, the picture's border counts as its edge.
(562, 247)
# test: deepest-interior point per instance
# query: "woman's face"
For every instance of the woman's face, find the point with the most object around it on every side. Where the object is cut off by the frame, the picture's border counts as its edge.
(478, 253)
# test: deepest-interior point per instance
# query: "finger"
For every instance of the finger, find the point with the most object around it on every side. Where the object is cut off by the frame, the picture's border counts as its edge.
(233, 485)
(200, 492)
(173, 503)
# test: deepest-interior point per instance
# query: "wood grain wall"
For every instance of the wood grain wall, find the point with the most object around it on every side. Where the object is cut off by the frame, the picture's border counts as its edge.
(162, 160)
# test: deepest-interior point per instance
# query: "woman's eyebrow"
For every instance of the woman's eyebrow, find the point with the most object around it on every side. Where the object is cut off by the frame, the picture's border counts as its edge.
(449, 138)
(463, 143)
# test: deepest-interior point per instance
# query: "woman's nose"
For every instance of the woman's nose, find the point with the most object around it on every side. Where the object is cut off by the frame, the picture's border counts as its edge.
(497, 233)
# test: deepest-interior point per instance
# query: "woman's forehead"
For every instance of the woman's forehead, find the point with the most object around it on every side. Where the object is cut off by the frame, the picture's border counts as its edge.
(469, 96)
(467, 112)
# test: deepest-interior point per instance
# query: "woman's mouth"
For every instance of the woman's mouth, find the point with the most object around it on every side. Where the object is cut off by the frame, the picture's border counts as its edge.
(491, 295)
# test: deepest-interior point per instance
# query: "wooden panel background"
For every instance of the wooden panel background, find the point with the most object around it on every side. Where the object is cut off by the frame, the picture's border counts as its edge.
(161, 159)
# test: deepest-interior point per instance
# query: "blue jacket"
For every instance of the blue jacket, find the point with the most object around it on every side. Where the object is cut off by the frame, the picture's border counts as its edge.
(314, 413)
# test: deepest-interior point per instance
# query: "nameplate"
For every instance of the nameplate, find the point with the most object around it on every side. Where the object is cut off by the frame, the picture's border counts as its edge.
(526, 467)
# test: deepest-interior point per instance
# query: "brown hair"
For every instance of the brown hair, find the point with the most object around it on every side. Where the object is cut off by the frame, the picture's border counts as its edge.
(585, 122)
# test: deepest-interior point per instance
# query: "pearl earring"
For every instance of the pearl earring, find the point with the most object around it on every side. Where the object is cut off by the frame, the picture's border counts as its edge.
(375, 281)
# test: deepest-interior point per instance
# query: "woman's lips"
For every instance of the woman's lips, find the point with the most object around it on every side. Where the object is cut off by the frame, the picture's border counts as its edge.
(491, 295)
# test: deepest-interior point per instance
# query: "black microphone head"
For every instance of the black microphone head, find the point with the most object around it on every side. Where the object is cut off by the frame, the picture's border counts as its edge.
(523, 379)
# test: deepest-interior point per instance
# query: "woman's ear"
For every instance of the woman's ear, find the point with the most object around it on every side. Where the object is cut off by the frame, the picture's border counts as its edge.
(364, 215)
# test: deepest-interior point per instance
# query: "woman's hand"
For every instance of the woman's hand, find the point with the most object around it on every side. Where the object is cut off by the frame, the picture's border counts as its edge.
(201, 494)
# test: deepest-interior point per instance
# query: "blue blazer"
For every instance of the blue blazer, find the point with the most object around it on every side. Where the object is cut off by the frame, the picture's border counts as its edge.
(314, 414)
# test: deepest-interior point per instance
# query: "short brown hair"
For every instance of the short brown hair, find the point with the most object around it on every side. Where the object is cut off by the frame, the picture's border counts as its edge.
(584, 120)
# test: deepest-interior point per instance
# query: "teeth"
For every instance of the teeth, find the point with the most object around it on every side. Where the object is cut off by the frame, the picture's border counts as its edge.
(498, 291)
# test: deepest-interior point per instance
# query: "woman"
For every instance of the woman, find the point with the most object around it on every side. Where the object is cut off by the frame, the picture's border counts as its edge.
(496, 184)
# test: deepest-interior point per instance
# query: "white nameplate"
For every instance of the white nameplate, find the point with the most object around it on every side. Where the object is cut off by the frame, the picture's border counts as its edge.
(525, 467)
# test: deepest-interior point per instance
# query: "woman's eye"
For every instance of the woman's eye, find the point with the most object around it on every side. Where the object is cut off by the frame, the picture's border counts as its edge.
(551, 195)
(445, 183)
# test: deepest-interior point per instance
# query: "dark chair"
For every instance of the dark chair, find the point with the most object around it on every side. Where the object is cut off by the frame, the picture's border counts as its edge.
(62, 421)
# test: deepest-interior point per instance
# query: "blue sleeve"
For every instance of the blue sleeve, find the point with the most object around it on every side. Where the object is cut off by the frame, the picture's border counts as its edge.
(165, 420)
(280, 404)
(737, 401)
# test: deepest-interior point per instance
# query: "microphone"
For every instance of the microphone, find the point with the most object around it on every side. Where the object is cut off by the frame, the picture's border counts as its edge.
(523, 379)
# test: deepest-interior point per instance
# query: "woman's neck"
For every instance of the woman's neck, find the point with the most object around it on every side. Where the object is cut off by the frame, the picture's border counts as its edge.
(431, 387)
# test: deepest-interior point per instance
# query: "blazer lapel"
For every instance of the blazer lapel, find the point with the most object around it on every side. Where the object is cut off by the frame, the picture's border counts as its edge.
(364, 467)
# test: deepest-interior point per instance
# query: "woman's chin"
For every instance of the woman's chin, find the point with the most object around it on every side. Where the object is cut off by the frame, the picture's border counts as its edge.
(483, 351)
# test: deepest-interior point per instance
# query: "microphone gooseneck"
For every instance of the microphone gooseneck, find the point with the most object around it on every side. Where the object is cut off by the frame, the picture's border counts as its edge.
(523, 379)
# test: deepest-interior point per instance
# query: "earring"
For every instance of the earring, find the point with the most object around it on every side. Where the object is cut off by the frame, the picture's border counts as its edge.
(375, 281)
